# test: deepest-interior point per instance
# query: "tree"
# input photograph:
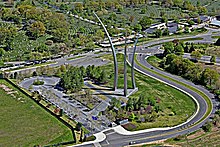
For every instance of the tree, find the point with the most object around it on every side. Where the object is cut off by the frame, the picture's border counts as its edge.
(42, 48)
(164, 19)
(78, 126)
(187, 30)
(209, 77)
(207, 127)
(192, 48)
(196, 55)
(78, 6)
(145, 22)
(178, 3)
(158, 33)
(113, 16)
(198, 20)
(168, 48)
(179, 49)
(166, 32)
(143, 11)
(99, 35)
(213, 59)
(2, 52)
(37, 29)
(137, 28)
(103, 77)
(115, 103)
(186, 49)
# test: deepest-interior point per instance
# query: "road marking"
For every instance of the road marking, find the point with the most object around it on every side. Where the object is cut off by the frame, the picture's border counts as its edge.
(97, 144)
(110, 133)
(107, 141)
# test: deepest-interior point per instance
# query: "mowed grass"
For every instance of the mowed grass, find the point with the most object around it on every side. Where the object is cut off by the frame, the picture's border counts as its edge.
(24, 123)
(172, 101)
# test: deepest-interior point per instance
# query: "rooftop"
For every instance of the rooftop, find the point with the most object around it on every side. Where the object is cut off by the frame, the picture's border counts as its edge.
(215, 22)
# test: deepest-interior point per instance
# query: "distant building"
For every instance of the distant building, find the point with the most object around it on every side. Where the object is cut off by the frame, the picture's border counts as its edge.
(215, 23)
(203, 19)
(172, 27)
(218, 17)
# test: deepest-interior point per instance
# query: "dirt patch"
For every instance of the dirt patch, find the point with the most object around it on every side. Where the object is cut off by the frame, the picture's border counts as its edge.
(195, 135)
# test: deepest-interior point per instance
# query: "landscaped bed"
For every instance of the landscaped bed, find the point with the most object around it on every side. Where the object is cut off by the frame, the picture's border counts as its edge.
(24, 123)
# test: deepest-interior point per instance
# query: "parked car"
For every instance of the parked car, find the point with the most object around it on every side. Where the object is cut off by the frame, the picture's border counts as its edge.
(132, 142)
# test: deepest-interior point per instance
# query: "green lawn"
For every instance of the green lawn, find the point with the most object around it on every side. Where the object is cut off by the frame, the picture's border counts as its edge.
(208, 101)
(24, 123)
(172, 100)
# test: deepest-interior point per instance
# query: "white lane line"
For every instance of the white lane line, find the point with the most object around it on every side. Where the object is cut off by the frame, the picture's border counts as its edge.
(97, 144)
(110, 133)
(107, 141)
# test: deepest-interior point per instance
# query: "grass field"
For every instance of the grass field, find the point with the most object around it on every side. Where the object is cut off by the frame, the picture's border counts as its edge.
(172, 100)
(24, 123)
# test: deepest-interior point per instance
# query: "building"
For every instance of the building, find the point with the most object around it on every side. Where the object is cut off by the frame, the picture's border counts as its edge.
(215, 23)
(218, 17)
(203, 19)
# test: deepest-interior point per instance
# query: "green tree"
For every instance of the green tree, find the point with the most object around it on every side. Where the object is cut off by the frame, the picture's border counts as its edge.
(137, 28)
(168, 48)
(158, 33)
(78, 126)
(37, 29)
(2, 52)
(103, 77)
(213, 59)
(115, 103)
(99, 35)
(164, 19)
(78, 6)
(207, 127)
(145, 22)
(179, 49)
(209, 77)
(166, 32)
(196, 55)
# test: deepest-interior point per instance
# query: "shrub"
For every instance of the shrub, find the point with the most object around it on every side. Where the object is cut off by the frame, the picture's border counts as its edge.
(38, 82)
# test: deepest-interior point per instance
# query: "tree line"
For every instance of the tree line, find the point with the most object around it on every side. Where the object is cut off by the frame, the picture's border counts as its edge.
(73, 78)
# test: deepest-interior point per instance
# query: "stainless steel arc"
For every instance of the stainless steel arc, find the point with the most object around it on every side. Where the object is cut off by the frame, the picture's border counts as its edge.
(113, 52)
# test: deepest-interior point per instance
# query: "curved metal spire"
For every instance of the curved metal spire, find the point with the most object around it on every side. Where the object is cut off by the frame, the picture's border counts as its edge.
(113, 52)
(132, 65)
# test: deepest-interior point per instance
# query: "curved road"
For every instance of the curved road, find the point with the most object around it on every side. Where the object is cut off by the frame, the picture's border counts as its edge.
(115, 139)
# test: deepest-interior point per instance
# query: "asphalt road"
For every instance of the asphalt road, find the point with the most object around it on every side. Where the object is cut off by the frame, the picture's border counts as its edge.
(114, 139)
